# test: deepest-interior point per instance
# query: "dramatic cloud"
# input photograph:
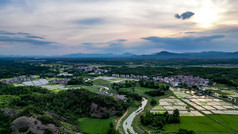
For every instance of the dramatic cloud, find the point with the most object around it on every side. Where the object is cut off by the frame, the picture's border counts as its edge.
(35, 37)
(184, 43)
(15, 39)
(6, 33)
(20, 33)
(101, 26)
(183, 39)
(185, 15)
(20, 37)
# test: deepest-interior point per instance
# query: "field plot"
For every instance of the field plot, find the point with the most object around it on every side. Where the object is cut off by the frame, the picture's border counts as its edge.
(95, 126)
(201, 125)
(53, 87)
(181, 94)
(230, 121)
(172, 104)
(93, 88)
(212, 105)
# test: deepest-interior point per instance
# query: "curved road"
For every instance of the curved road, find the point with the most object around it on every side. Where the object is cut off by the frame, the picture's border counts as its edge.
(128, 122)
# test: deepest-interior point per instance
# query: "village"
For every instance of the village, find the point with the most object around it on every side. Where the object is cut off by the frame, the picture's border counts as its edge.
(172, 80)
(60, 81)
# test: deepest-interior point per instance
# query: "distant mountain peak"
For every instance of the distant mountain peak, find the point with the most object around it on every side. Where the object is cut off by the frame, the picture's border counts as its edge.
(128, 54)
(165, 53)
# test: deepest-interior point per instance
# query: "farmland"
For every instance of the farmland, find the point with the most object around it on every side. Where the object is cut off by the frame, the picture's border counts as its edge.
(201, 125)
(202, 114)
(230, 121)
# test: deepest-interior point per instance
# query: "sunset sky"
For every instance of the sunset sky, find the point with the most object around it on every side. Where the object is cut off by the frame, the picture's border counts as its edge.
(56, 27)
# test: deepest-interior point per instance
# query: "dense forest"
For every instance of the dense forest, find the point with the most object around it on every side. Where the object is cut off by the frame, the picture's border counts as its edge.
(70, 104)
(65, 103)
(157, 121)
(13, 68)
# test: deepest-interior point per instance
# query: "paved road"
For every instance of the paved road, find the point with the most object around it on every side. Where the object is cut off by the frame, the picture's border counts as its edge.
(128, 122)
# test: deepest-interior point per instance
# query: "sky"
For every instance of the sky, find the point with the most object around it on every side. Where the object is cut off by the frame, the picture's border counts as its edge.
(58, 27)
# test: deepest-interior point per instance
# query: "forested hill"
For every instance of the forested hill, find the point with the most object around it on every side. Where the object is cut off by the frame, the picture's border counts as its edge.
(69, 104)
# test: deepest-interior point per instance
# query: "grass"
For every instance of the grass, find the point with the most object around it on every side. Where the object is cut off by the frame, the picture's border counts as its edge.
(73, 86)
(204, 103)
(139, 90)
(198, 124)
(159, 108)
(180, 94)
(54, 90)
(223, 93)
(69, 126)
(230, 121)
(100, 82)
(94, 89)
(53, 87)
(95, 126)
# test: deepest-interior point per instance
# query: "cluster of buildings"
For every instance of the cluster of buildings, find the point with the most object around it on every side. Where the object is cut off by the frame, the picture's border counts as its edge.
(183, 79)
(17, 79)
(65, 74)
(39, 82)
(60, 81)
(92, 70)
(172, 80)
(131, 76)
(105, 91)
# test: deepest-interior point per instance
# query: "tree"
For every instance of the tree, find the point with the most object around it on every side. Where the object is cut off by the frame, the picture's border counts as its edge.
(153, 102)
(184, 131)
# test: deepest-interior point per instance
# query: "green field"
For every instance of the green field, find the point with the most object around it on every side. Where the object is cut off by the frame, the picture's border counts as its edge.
(95, 126)
(181, 94)
(159, 108)
(139, 90)
(223, 93)
(91, 88)
(100, 82)
(94, 89)
(201, 125)
(230, 121)
(53, 86)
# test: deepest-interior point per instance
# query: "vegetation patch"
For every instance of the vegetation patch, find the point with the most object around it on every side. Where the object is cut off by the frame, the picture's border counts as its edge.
(230, 121)
(23, 129)
(198, 124)
(95, 126)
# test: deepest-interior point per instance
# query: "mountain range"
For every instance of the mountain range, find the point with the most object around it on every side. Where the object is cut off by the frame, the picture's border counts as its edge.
(160, 55)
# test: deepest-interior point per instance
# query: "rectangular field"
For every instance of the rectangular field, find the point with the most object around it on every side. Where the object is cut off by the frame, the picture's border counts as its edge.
(201, 125)
(95, 126)
(230, 121)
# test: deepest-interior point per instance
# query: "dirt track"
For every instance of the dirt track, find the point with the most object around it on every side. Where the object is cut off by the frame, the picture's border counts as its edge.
(119, 121)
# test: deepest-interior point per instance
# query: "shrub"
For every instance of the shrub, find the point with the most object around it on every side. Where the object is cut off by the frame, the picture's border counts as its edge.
(46, 119)
(23, 129)
(48, 131)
